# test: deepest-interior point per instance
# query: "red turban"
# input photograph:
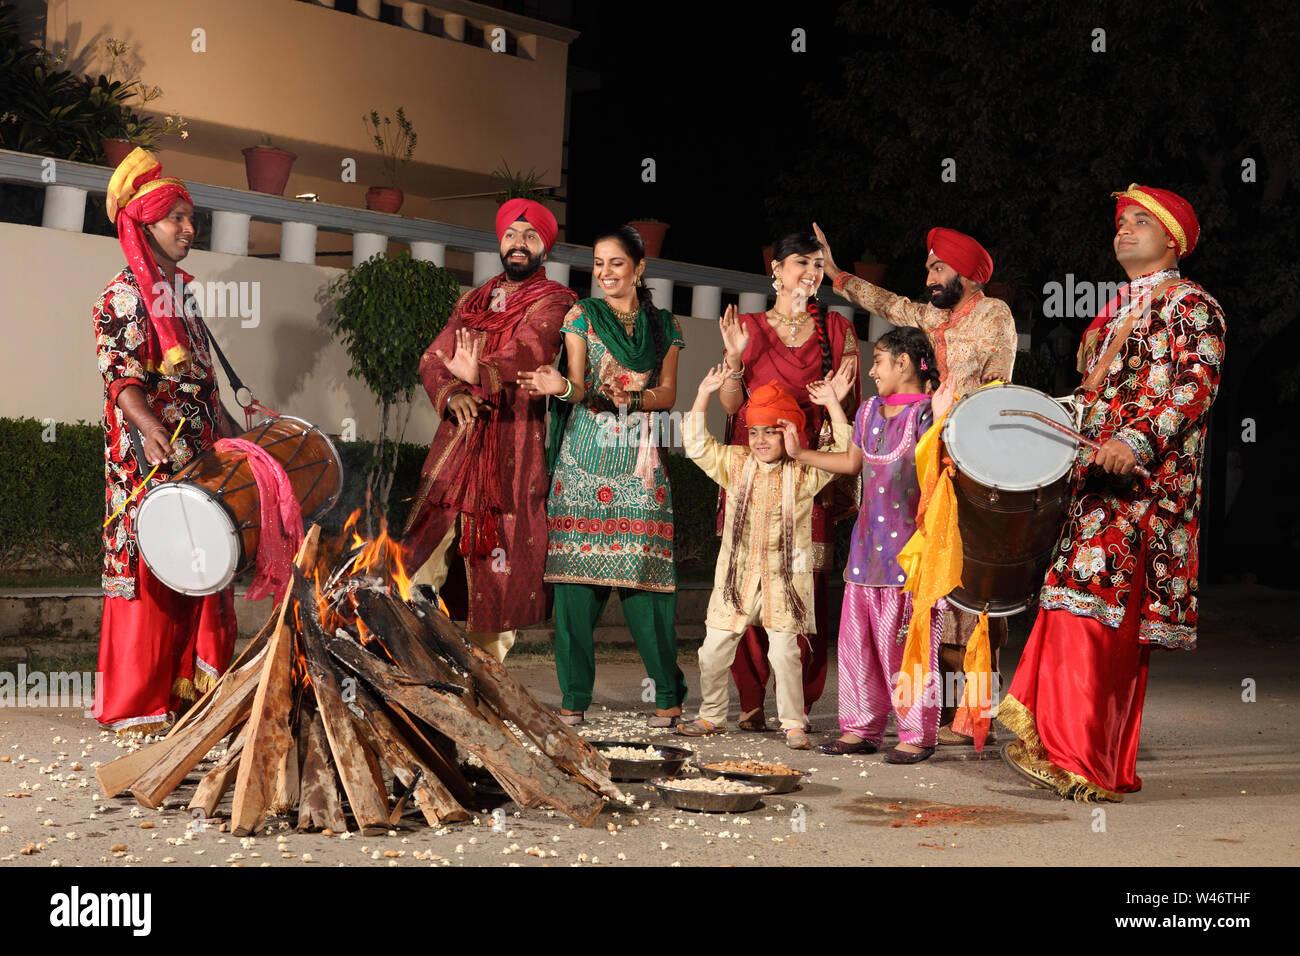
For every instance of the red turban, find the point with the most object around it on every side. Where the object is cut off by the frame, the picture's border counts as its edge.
(960, 251)
(771, 403)
(533, 213)
(1174, 212)
(138, 194)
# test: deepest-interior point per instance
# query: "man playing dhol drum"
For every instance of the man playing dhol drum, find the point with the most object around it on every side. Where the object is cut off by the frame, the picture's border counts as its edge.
(158, 649)
(1123, 574)
(974, 341)
(486, 471)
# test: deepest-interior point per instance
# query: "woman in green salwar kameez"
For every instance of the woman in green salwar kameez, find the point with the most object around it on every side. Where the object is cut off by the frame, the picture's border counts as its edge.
(610, 513)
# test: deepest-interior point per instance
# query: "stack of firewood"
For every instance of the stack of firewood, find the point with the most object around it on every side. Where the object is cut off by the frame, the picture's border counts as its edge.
(350, 704)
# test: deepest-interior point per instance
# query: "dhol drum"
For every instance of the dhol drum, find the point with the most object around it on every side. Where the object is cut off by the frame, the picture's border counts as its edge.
(201, 528)
(1012, 490)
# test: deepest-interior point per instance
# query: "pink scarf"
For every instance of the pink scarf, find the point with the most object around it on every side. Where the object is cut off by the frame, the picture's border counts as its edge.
(281, 533)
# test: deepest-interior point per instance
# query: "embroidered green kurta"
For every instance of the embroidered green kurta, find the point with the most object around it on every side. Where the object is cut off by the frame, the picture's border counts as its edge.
(606, 525)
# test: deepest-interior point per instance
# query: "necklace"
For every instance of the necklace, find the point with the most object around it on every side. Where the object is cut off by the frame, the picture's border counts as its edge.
(793, 325)
(627, 318)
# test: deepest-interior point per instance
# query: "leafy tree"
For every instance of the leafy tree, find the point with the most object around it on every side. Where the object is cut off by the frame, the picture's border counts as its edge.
(386, 312)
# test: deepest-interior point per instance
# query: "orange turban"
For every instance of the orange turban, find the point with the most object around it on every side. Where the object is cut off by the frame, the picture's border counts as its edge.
(531, 212)
(139, 194)
(967, 257)
(1174, 212)
(771, 403)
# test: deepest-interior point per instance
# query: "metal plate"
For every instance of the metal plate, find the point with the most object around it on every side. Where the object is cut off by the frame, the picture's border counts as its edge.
(704, 802)
(779, 782)
(671, 760)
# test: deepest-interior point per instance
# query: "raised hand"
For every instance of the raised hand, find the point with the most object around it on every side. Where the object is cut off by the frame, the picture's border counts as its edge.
(735, 334)
(790, 435)
(823, 392)
(832, 270)
(845, 377)
(713, 379)
(464, 363)
(547, 380)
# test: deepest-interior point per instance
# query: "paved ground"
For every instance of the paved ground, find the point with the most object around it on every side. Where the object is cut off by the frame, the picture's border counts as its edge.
(1221, 777)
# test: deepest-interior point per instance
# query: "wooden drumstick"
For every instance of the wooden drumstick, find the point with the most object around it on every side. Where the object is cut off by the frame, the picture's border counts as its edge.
(1095, 445)
(147, 478)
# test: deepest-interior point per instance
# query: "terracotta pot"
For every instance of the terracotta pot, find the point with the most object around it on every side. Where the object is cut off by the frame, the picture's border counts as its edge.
(768, 252)
(384, 199)
(116, 150)
(652, 234)
(873, 272)
(268, 168)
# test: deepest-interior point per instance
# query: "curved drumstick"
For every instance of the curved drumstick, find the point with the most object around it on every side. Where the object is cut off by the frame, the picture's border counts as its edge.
(147, 478)
(1095, 445)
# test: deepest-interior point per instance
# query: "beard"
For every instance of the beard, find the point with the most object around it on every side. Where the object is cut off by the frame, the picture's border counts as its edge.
(946, 296)
(518, 271)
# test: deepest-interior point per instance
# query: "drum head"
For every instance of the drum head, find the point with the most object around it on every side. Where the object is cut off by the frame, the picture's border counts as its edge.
(187, 538)
(1012, 453)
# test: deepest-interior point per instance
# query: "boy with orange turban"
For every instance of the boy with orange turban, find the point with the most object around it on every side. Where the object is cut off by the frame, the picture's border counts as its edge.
(764, 574)
(158, 649)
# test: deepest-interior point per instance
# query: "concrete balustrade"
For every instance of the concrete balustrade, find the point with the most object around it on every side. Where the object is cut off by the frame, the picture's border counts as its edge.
(65, 208)
(435, 252)
(413, 16)
(367, 244)
(298, 242)
(230, 232)
(486, 265)
(453, 26)
(370, 8)
(752, 302)
(706, 302)
(557, 271)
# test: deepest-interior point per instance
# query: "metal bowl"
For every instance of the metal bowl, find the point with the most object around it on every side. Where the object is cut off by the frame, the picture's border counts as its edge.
(705, 802)
(779, 782)
(670, 760)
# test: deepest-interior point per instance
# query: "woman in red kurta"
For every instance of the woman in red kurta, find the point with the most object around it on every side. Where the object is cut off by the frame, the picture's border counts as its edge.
(795, 342)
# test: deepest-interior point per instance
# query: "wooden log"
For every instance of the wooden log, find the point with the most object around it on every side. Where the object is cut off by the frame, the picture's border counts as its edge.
(215, 783)
(433, 752)
(320, 806)
(517, 770)
(431, 796)
(368, 802)
(232, 705)
(512, 701)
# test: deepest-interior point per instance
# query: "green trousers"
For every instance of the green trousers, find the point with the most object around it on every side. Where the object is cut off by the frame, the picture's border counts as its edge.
(649, 616)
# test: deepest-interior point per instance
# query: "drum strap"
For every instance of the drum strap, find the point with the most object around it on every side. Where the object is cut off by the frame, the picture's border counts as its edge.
(250, 407)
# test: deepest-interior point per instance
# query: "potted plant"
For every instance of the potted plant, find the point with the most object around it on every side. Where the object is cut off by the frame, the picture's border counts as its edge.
(396, 146)
(385, 313)
(652, 234)
(867, 267)
(516, 184)
(268, 167)
(109, 102)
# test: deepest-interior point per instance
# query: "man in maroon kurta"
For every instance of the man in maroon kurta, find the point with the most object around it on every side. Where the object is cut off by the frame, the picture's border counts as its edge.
(486, 471)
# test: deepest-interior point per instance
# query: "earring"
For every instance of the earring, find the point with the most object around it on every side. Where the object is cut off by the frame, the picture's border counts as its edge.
(776, 279)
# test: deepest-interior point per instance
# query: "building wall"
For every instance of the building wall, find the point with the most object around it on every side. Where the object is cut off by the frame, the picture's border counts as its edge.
(288, 358)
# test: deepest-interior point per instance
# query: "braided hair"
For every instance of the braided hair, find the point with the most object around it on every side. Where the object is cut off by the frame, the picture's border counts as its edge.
(634, 247)
(912, 342)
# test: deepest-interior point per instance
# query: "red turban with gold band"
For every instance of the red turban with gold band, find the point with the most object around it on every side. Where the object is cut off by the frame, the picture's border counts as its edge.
(771, 403)
(138, 194)
(1174, 212)
(967, 257)
(531, 212)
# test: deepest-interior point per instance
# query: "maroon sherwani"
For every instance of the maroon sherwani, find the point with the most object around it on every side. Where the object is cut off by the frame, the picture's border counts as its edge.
(492, 473)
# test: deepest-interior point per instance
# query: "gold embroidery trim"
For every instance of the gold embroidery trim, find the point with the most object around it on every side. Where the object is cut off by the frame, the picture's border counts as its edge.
(1020, 721)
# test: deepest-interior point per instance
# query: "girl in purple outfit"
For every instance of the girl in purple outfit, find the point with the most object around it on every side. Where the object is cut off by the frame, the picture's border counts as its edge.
(876, 611)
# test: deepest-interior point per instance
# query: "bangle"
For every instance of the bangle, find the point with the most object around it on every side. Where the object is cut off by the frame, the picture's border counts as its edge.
(568, 392)
(739, 373)
(634, 401)
(734, 388)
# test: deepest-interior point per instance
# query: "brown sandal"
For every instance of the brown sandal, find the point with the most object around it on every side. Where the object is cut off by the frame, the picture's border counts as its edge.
(754, 720)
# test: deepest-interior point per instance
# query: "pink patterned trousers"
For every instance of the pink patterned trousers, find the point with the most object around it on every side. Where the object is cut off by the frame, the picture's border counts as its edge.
(873, 628)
